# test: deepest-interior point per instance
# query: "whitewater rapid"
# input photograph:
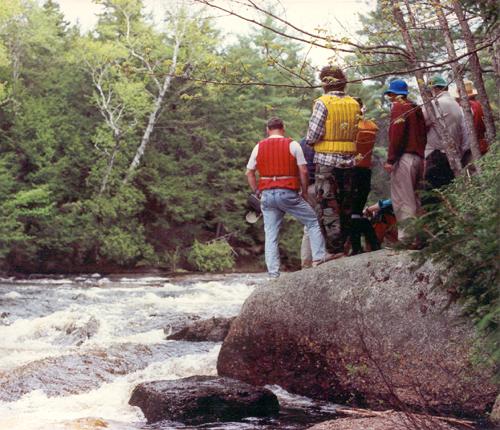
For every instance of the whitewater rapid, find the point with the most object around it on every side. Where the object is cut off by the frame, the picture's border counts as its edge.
(72, 350)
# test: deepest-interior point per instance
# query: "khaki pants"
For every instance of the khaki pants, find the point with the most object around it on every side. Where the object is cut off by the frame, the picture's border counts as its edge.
(405, 180)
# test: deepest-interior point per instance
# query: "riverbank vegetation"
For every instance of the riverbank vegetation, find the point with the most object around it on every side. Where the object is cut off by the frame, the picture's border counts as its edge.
(460, 232)
(115, 152)
(125, 146)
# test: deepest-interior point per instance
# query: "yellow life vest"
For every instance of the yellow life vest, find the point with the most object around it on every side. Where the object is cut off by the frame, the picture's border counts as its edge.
(341, 125)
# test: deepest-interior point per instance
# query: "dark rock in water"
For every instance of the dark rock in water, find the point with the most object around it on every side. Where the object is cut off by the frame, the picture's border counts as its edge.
(202, 399)
(175, 323)
(211, 330)
(387, 421)
(368, 330)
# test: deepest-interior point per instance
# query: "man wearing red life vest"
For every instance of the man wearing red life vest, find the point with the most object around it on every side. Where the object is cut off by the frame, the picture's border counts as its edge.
(282, 174)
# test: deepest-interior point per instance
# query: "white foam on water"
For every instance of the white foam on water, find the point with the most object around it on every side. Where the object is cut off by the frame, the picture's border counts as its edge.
(296, 401)
(143, 280)
(130, 312)
(287, 398)
(92, 293)
(41, 281)
(27, 340)
(36, 411)
(12, 295)
(203, 298)
(146, 338)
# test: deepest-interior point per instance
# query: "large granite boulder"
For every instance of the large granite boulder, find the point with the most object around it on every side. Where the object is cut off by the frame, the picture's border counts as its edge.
(214, 329)
(369, 330)
(203, 399)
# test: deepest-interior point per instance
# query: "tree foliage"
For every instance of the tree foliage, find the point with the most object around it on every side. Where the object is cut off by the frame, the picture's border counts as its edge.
(122, 146)
(75, 108)
(460, 231)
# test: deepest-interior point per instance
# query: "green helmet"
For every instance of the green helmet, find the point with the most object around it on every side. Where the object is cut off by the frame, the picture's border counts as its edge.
(438, 81)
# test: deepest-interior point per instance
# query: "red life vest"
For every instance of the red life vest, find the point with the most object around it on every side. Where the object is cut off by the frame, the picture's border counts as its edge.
(277, 167)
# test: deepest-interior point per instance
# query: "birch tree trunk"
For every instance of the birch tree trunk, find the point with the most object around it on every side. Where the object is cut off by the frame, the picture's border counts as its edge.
(489, 120)
(153, 116)
(459, 79)
(109, 167)
(112, 114)
(452, 152)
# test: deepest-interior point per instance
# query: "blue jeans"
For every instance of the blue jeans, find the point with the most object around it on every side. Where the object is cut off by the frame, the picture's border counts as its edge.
(277, 202)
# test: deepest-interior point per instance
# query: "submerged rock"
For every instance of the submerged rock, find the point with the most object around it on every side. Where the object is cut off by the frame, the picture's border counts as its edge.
(211, 330)
(366, 330)
(202, 399)
(56, 376)
(86, 424)
(78, 332)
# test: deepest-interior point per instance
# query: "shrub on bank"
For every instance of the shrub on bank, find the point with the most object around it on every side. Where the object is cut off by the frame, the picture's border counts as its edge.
(214, 256)
(461, 232)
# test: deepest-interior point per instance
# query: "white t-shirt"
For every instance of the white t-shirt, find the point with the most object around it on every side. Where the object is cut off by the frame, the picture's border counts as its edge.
(295, 150)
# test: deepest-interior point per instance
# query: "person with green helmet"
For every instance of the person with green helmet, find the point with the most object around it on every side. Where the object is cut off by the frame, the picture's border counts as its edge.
(438, 172)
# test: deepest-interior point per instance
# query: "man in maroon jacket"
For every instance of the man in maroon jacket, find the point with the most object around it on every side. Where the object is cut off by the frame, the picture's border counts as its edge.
(407, 139)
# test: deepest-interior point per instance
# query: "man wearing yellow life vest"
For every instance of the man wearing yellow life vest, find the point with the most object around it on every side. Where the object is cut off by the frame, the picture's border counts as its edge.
(332, 132)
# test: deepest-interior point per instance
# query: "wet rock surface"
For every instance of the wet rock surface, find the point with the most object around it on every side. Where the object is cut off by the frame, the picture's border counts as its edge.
(210, 330)
(370, 330)
(100, 365)
(203, 399)
(391, 421)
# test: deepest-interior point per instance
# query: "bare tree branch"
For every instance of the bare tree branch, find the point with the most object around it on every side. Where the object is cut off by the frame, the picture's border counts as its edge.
(406, 71)
(313, 41)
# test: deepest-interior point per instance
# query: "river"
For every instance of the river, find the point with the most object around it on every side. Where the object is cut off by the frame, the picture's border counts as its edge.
(72, 349)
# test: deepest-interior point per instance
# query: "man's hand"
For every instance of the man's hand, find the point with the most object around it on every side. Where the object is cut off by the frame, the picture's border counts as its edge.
(371, 210)
(305, 196)
(389, 168)
(252, 179)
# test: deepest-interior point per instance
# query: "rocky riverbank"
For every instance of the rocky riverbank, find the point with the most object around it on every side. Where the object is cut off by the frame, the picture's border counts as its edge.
(370, 331)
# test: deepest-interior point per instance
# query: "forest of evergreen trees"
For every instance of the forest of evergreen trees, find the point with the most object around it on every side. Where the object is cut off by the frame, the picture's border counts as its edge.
(120, 147)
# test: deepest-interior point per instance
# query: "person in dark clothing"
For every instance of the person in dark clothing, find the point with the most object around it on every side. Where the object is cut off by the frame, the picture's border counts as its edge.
(362, 175)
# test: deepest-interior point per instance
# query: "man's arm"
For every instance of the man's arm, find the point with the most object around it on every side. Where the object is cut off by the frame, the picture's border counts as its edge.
(251, 168)
(316, 128)
(396, 132)
(298, 153)
(252, 180)
(304, 181)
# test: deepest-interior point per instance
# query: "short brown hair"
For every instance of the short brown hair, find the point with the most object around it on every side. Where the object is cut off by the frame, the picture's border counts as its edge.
(275, 123)
(332, 78)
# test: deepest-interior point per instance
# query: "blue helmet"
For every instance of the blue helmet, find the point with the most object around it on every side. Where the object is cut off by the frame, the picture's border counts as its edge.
(397, 86)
